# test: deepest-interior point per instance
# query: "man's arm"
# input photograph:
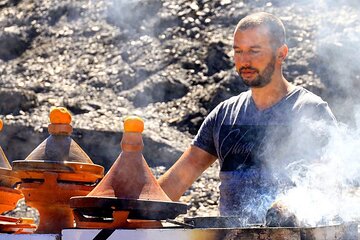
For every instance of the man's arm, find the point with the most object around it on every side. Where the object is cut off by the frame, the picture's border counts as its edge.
(185, 171)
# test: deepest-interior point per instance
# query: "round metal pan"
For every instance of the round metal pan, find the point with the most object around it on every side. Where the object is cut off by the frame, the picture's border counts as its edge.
(137, 208)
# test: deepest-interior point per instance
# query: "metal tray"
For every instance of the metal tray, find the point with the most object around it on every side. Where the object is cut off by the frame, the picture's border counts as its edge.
(138, 208)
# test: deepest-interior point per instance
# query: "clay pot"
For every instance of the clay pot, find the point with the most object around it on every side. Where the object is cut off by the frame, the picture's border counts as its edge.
(9, 198)
(54, 172)
(10, 195)
(129, 187)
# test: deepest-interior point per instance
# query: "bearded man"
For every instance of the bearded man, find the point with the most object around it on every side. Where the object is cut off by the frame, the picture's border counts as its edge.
(258, 133)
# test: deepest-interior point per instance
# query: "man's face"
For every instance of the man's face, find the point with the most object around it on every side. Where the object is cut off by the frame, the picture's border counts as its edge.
(254, 57)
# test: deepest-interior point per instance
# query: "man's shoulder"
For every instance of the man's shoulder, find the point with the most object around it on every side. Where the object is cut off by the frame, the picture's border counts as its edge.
(312, 106)
(304, 96)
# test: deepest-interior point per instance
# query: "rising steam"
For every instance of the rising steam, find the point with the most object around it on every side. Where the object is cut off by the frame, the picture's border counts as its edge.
(326, 189)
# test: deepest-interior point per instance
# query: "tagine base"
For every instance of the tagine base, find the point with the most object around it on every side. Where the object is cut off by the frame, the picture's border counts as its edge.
(111, 212)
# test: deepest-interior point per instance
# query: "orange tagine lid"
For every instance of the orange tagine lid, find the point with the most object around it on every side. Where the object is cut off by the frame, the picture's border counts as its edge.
(59, 152)
(59, 146)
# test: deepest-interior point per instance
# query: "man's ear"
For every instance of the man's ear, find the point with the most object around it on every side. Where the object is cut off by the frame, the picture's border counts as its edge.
(282, 52)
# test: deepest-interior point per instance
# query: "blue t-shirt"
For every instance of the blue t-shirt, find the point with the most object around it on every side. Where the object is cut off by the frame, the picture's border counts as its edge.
(254, 147)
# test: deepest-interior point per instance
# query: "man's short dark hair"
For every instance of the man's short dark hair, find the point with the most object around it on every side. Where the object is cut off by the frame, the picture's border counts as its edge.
(272, 23)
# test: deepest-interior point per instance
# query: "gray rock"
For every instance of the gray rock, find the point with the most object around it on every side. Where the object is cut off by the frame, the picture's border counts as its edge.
(15, 100)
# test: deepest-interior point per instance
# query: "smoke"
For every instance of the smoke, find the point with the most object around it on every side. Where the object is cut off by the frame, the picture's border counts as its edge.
(326, 182)
(337, 40)
(326, 188)
(134, 17)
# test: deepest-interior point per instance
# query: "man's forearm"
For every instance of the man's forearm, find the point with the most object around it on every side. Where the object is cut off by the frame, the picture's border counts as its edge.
(185, 171)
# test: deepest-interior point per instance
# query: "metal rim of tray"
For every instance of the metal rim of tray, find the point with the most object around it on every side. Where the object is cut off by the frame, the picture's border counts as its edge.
(71, 167)
(16, 225)
(67, 171)
(137, 208)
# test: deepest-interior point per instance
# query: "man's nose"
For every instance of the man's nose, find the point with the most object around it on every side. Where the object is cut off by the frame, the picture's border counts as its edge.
(243, 59)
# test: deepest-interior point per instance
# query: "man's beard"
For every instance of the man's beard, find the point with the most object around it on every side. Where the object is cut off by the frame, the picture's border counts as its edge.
(262, 79)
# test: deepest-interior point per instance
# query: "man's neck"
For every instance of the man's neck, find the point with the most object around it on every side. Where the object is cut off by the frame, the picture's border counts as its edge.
(267, 96)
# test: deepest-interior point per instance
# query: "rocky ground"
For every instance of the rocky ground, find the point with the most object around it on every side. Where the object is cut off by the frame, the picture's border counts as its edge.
(167, 61)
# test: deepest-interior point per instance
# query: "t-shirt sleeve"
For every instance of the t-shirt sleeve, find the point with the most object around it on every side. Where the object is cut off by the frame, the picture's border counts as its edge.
(313, 108)
(204, 138)
(315, 128)
(324, 112)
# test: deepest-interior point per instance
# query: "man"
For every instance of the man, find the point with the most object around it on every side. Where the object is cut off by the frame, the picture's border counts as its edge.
(256, 134)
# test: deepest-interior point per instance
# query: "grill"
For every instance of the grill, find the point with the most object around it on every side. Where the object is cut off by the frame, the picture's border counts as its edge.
(347, 231)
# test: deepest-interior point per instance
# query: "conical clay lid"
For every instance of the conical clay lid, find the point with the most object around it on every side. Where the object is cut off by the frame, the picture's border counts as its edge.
(59, 152)
(130, 176)
(59, 146)
(4, 162)
(7, 178)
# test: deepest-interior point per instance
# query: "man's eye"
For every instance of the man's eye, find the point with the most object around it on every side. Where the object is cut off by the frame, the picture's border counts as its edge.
(254, 51)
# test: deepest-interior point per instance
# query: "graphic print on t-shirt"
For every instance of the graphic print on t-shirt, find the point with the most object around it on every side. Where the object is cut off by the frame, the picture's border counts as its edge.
(241, 146)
